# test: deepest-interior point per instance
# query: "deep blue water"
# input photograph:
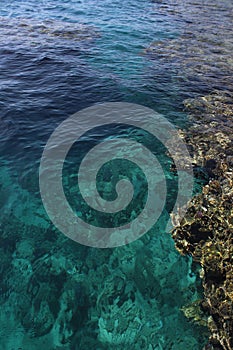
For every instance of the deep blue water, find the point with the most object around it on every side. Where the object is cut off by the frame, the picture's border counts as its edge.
(58, 57)
(56, 77)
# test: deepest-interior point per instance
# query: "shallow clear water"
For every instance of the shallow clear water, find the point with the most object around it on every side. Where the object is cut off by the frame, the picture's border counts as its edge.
(58, 57)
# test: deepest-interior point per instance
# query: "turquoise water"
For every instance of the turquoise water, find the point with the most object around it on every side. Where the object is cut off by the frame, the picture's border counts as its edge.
(58, 57)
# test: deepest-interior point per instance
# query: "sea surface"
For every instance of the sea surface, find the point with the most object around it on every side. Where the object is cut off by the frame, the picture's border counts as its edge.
(57, 58)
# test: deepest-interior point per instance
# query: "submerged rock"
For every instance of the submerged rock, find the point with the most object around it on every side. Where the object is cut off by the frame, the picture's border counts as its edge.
(199, 56)
(35, 33)
(206, 232)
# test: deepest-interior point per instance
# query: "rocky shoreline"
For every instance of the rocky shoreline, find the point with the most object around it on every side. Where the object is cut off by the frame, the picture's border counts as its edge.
(206, 231)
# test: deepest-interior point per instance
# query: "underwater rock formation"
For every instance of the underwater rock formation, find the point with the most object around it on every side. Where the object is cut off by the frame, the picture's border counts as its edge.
(24, 32)
(206, 231)
(200, 55)
(72, 297)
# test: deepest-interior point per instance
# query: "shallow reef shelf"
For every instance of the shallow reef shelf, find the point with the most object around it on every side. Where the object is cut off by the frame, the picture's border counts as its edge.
(206, 232)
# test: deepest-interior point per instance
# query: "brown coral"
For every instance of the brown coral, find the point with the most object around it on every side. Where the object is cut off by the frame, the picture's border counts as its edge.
(207, 230)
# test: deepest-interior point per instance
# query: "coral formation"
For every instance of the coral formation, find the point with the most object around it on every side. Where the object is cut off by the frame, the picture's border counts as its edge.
(23, 31)
(206, 232)
(72, 297)
(200, 57)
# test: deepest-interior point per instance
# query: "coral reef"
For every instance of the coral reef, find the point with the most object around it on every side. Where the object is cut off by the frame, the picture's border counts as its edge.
(206, 232)
(24, 32)
(200, 57)
(56, 294)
